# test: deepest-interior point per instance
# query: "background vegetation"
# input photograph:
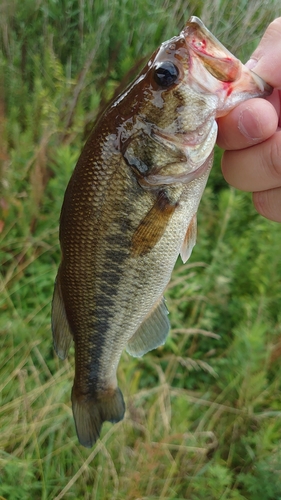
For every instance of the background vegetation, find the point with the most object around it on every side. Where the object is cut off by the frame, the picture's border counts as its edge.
(203, 416)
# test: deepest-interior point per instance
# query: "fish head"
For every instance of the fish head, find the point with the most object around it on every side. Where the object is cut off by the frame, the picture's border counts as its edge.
(194, 73)
(169, 112)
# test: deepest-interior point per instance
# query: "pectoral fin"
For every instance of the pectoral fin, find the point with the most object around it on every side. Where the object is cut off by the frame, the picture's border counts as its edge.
(152, 333)
(153, 226)
(61, 332)
(189, 239)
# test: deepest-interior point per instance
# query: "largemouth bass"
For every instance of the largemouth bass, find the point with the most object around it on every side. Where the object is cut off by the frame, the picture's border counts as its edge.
(130, 209)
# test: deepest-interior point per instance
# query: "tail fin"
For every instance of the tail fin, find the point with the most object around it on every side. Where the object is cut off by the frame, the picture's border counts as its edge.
(90, 413)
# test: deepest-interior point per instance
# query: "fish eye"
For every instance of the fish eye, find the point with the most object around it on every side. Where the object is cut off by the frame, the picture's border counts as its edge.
(165, 74)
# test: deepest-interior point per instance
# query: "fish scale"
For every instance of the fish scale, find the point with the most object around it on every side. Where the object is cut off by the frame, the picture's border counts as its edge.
(130, 209)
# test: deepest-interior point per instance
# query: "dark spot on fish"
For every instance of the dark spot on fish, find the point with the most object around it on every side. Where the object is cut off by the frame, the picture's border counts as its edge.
(105, 300)
(113, 239)
(118, 256)
(111, 276)
(107, 288)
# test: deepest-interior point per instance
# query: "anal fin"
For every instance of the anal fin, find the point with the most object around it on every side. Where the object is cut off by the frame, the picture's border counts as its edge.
(62, 336)
(189, 239)
(152, 332)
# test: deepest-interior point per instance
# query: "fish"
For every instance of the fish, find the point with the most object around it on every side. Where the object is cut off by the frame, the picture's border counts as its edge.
(129, 211)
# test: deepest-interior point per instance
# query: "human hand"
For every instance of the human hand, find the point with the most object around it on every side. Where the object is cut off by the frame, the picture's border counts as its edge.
(251, 133)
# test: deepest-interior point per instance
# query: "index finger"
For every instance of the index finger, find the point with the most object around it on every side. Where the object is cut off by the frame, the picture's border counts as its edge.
(265, 60)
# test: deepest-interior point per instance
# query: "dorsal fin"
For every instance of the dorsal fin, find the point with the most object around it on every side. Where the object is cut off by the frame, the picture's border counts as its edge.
(61, 332)
(152, 332)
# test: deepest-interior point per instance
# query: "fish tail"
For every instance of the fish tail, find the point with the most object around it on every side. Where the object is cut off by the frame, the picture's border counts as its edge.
(90, 412)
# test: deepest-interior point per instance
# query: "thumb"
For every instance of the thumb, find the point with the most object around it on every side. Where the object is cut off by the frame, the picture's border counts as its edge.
(266, 59)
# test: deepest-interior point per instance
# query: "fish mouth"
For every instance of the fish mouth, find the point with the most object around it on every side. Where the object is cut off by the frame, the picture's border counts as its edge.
(209, 58)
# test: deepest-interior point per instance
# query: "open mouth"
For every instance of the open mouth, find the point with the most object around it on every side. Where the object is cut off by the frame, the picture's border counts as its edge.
(212, 59)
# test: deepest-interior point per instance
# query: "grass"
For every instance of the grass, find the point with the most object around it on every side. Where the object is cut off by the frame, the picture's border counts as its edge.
(203, 416)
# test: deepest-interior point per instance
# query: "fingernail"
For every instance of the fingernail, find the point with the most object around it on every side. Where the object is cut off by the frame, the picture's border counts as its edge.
(249, 125)
(251, 63)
